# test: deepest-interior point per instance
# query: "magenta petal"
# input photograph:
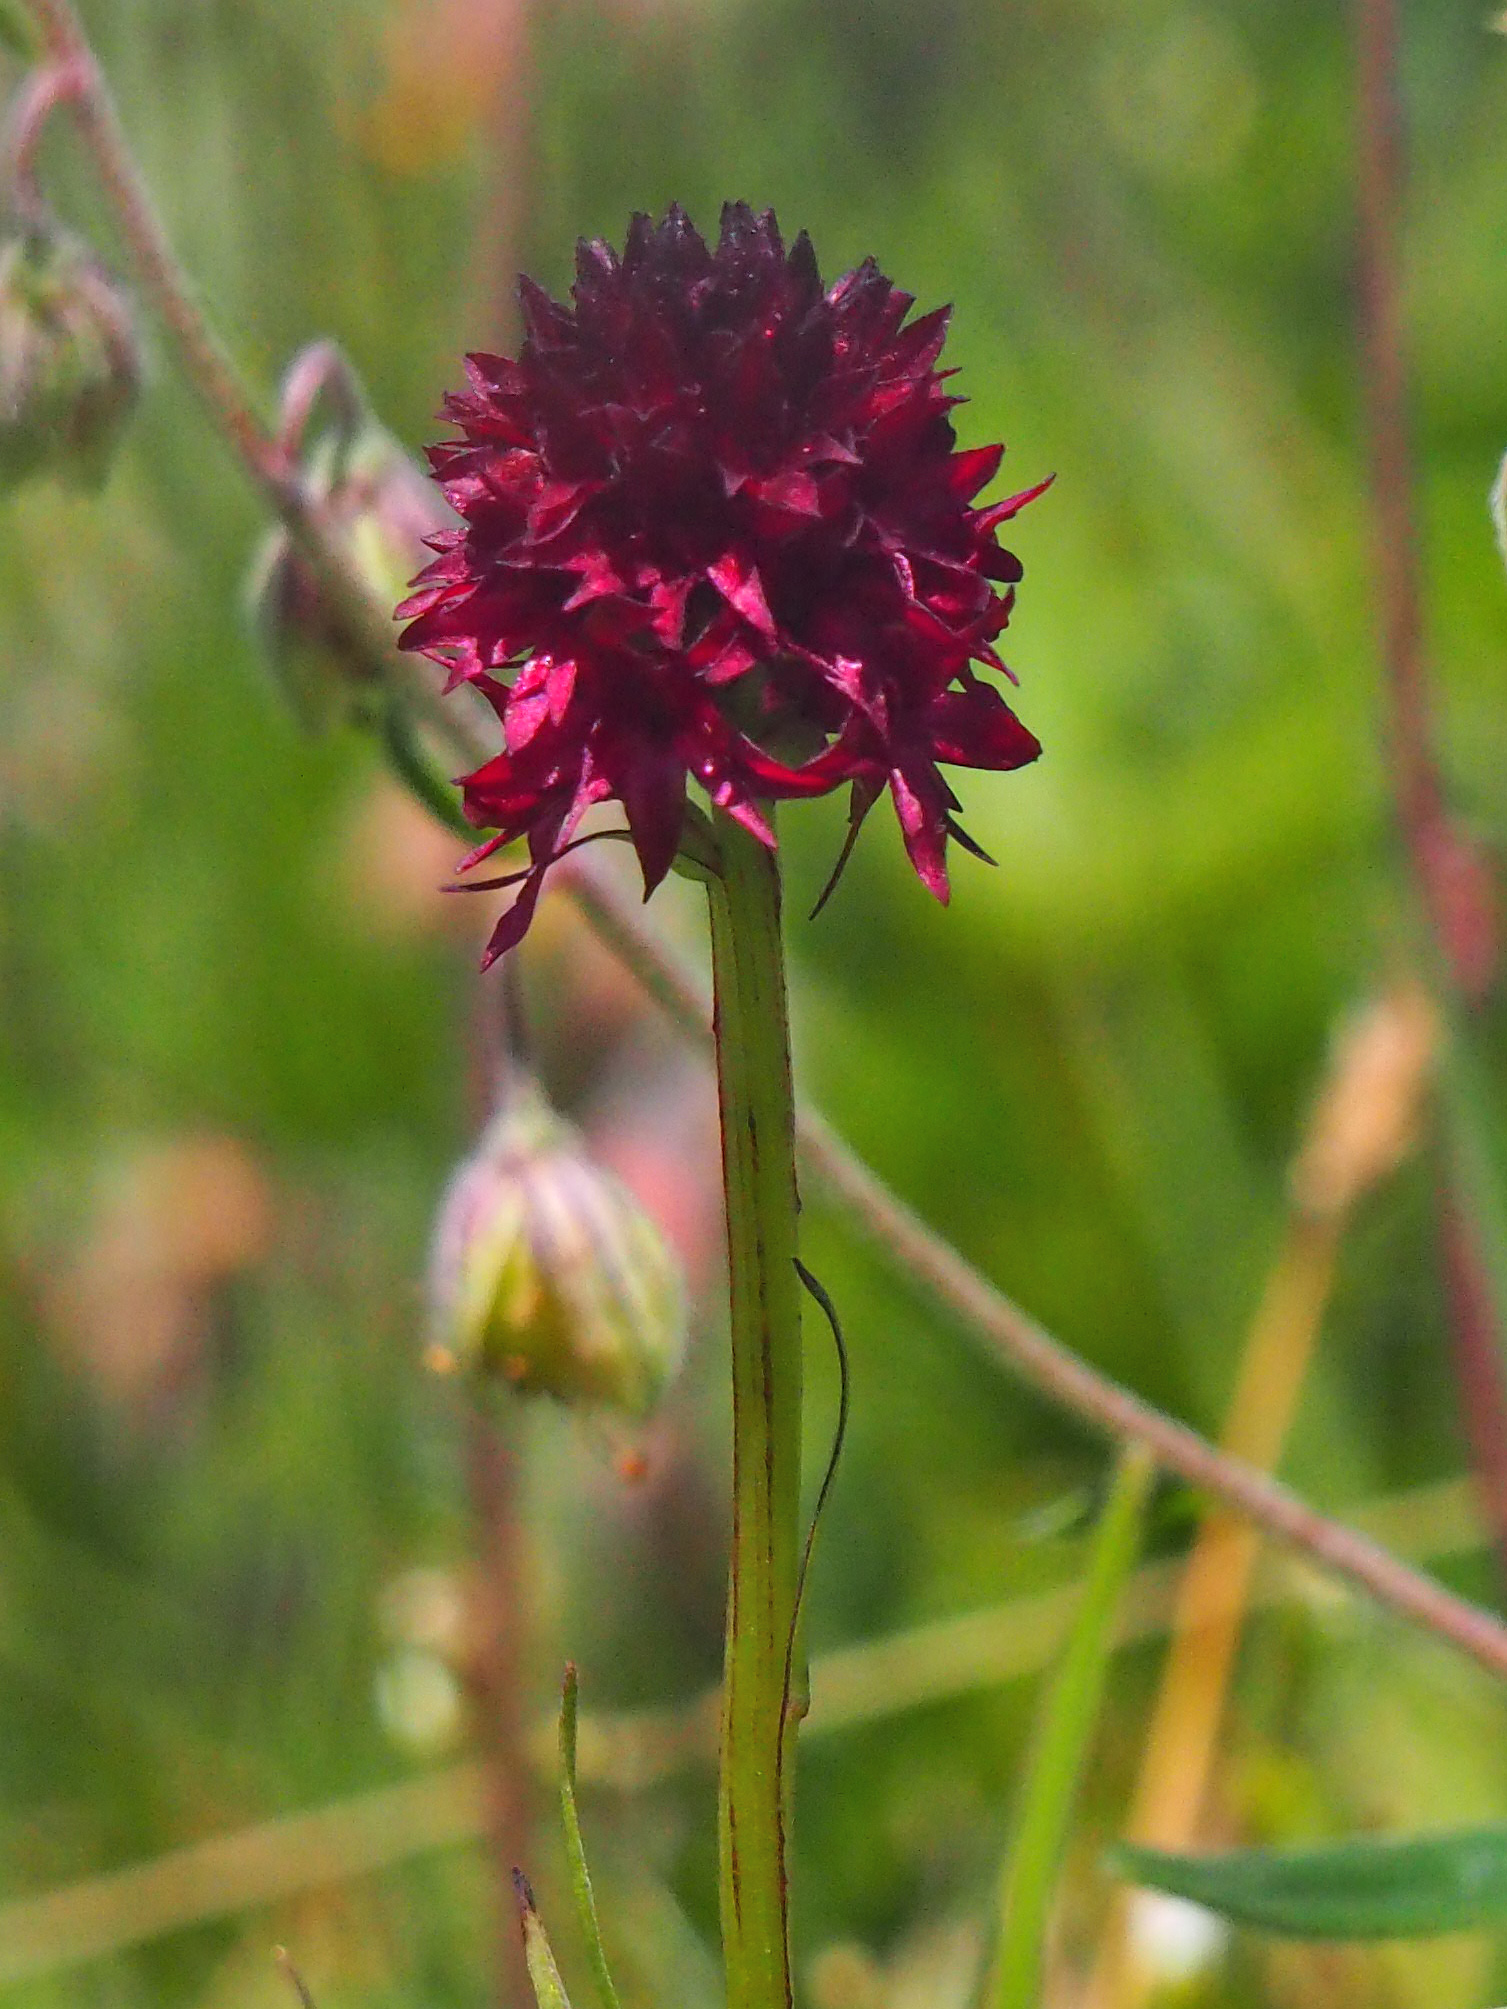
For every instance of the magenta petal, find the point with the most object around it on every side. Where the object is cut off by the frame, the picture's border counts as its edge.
(968, 472)
(923, 826)
(653, 795)
(1001, 512)
(978, 729)
(513, 925)
(794, 491)
(524, 718)
(561, 685)
(739, 584)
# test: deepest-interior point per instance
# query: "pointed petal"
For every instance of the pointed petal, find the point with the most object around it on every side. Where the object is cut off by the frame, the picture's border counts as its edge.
(923, 824)
(976, 728)
(1001, 512)
(652, 788)
(864, 795)
(738, 581)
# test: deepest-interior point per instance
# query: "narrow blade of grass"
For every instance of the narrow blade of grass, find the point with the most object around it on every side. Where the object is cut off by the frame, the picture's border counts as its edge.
(575, 1851)
(1060, 1743)
(549, 1989)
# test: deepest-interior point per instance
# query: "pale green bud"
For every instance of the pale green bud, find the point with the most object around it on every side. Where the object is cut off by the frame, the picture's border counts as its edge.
(383, 505)
(548, 1272)
(70, 365)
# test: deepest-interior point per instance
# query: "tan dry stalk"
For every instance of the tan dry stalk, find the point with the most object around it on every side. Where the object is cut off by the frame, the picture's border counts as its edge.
(1363, 1122)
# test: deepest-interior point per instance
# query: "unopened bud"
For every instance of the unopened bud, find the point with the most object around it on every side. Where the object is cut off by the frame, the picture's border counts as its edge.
(547, 1272)
(70, 365)
(1366, 1117)
(374, 497)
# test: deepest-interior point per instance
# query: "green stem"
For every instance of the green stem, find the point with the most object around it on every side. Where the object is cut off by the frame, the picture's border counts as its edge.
(1060, 1743)
(758, 1170)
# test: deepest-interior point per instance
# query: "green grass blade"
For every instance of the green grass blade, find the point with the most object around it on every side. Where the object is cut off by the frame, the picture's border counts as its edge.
(549, 1989)
(1408, 1889)
(575, 1852)
(1061, 1742)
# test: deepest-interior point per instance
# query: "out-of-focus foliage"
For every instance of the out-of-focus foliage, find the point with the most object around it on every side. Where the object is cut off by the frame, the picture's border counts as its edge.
(1379, 1888)
(243, 1040)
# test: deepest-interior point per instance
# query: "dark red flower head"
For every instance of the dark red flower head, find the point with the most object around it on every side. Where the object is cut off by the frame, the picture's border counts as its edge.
(715, 526)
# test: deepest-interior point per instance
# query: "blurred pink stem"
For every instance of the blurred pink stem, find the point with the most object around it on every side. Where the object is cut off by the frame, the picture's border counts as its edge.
(1477, 1362)
(1452, 882)
(496, 1670)
(41, 92)
(498, 1654)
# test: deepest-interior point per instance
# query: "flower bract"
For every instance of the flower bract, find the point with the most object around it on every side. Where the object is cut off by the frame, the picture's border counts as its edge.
(716, 528)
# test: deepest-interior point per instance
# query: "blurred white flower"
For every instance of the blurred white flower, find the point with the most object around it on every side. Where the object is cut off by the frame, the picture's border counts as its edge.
(1176, 1939)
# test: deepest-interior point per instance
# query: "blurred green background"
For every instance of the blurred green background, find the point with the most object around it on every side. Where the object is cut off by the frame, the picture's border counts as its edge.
(242, 1033)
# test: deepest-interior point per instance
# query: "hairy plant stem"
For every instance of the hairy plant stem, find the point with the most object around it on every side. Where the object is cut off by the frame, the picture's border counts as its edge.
(757, 1106)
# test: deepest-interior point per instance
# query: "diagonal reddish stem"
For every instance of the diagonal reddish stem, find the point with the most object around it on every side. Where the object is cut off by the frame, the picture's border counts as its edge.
(1452, 882)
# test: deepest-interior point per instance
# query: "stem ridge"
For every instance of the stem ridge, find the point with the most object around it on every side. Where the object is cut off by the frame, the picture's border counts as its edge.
(758, 1154)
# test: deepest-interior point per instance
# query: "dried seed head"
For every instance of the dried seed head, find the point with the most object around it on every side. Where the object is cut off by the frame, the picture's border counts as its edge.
(547, 1272)
(1365, 1120)
(70, 362)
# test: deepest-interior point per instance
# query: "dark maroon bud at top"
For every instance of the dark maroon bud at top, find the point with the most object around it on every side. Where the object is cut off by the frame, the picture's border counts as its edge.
(716, 528)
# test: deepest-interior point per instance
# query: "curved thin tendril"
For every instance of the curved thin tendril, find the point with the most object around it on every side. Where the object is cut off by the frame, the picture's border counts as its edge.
(818, 1291)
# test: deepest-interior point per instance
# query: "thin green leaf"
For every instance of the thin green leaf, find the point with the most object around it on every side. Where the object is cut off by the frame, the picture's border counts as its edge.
(1405, 1889)
(575, 1851)
(1061, 1742)
(549, 1989)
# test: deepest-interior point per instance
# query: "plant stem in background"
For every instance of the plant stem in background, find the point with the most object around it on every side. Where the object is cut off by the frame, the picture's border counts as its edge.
(40, 95)
(498, 250)
(1012, 1338)
(206, 362)
(1007, 1334)
(1363, 1123)
(1473, 1320)
(1211, 1600)
(497, 1603)
(873, 1681)
(496, 1679)
(208, 367)
(757, 1107)
(1060, 1743)
(1450, 875)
